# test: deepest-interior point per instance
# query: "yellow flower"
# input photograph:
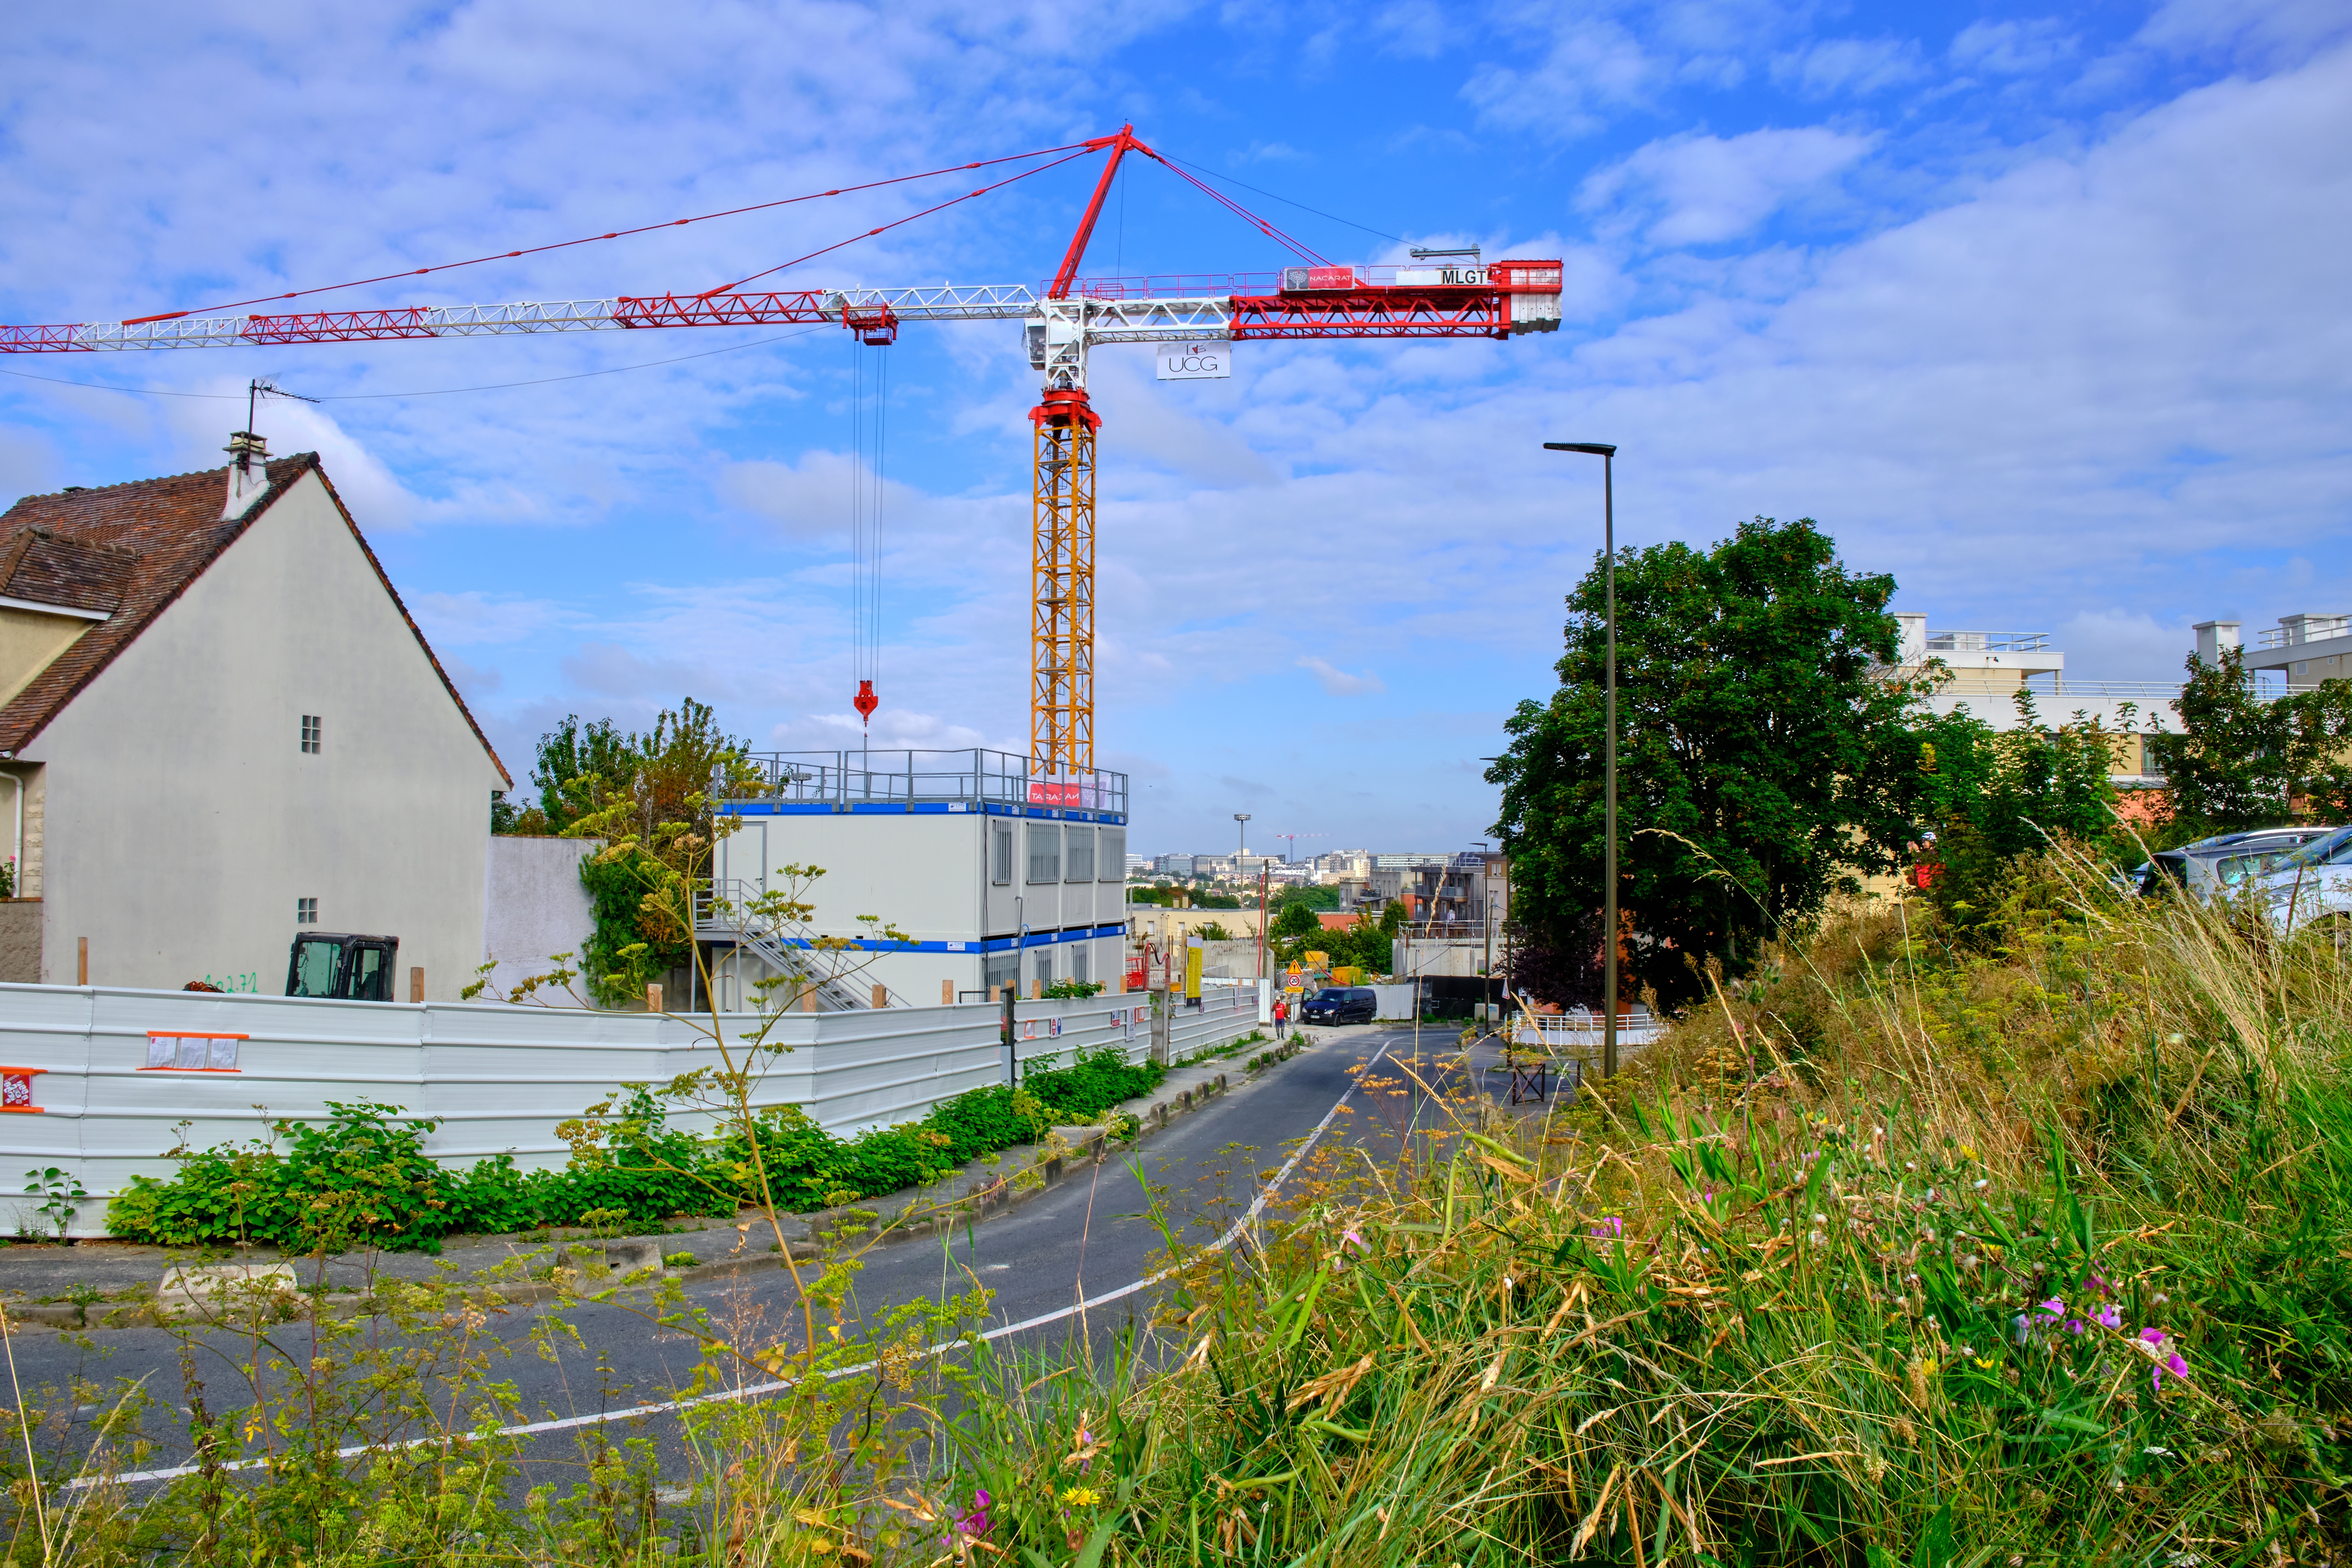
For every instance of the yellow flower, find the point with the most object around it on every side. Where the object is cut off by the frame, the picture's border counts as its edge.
(1081, 1496)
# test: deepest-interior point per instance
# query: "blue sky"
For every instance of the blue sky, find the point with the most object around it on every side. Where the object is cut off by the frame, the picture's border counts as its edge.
(2044, 312)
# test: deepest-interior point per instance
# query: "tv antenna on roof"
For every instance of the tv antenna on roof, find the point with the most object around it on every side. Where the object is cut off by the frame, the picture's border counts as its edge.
(260, 387)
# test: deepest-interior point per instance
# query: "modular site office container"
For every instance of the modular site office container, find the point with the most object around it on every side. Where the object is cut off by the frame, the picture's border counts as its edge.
(996, 872)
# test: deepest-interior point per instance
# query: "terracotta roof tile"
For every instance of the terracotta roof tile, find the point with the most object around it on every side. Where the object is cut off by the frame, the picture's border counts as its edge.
(38, 565)
(130, 550)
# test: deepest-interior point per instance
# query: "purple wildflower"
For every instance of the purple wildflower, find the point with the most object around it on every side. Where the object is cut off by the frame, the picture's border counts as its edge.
(1609, 1229)
(2111, 1318)
(976, 1521)
(2074, 1325)
(2055, 1306)
(1352, 1234)
(2166, 1360)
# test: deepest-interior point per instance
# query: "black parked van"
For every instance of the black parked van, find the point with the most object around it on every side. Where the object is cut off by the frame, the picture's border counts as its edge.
(1340, 1005)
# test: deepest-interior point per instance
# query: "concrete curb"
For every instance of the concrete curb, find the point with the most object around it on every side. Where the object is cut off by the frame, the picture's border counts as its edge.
(984, 1201)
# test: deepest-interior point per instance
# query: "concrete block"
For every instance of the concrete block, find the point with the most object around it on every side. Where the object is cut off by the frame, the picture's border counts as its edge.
(225, 1287)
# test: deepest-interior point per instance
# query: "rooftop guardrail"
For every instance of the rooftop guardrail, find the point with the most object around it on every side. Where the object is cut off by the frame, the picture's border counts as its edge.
(1988, 642)
(977, 776)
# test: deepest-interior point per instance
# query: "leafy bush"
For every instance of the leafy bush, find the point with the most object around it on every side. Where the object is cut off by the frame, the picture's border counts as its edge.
(643, 1169)
(362, 1178)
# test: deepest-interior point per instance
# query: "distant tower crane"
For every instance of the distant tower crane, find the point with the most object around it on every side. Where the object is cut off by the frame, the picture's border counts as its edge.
(1063, 323)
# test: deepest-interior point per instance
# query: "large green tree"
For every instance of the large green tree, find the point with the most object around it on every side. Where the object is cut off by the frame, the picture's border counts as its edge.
(1764, 761)
(1991, 795)
(2244, 761)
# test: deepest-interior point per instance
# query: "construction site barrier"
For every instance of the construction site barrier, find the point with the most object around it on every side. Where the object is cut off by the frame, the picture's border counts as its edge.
(101, 1082)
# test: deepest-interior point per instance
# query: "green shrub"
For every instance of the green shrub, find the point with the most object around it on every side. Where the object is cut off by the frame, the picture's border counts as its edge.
(492, 1198)
(645, 1170)
(362, 1178)
(213, 1201)
(978, 1122)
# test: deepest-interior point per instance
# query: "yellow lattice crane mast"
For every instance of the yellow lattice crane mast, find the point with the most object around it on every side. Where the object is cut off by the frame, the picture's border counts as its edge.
(1061, 585)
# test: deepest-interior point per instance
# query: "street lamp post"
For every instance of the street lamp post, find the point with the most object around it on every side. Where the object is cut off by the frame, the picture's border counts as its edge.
(1241, 833)
(1608, 455)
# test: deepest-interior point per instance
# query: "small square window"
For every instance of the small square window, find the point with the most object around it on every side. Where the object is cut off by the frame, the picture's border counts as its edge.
(311, 732)
(306, 911)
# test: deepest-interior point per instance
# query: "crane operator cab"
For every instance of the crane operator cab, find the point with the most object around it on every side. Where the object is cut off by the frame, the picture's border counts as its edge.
(342, 967)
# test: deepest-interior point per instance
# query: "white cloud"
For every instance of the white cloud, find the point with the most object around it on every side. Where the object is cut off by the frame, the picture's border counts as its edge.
(2013, 47)
(2267, 30)
(1591, 65)
(1337, 682)
(2088, 371)
(1694, 189)
(1858, 66)
(28, 465)
(473, 618)
(474, 681)
(2122, 644)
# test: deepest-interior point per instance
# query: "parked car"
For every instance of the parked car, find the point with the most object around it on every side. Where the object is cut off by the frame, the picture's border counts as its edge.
(2311, 884)
(2218, 866)
(1340, 1005)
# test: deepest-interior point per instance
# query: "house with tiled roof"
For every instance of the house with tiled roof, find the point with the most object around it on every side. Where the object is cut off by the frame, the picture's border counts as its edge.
(219, 729)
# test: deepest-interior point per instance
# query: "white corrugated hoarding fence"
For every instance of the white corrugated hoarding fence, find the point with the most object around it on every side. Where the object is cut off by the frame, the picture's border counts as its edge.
(498, 1078)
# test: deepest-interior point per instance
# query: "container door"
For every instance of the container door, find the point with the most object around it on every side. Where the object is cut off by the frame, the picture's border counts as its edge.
(746, 856)
(371, 975)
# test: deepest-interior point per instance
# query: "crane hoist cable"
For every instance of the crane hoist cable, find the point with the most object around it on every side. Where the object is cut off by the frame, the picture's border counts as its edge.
(868, 489)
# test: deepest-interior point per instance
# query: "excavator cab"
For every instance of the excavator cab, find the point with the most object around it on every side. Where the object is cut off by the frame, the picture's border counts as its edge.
(342, 967)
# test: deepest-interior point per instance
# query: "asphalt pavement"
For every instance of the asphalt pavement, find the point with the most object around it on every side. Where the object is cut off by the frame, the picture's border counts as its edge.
(1071, 1265)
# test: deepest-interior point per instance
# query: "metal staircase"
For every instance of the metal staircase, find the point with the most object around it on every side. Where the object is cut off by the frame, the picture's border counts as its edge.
(772, 947)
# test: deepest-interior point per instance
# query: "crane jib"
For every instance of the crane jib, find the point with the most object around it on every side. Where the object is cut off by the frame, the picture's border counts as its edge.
(1507, 297)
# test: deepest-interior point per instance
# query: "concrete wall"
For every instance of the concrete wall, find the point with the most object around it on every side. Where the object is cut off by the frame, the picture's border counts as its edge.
(182, 820)
(1165, 925)
(497, 1076)
(534, 906)
(20, 940)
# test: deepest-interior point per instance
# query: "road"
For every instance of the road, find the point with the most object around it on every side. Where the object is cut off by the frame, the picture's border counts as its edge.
(1050, 1264)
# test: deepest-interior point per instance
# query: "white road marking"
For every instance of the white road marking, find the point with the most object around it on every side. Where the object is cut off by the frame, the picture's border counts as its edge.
(669, 1406)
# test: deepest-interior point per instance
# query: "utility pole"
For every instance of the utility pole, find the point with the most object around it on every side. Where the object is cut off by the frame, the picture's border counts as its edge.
(1261, 922)
(1608, 455)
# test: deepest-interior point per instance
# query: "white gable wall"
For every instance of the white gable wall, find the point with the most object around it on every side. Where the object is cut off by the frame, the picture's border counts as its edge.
(182, 820)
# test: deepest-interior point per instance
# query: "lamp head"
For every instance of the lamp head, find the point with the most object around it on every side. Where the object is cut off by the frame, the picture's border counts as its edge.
(1594, 447)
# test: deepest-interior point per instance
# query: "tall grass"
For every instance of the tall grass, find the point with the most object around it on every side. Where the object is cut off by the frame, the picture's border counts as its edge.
(1899, 1251)
(1885, 1257)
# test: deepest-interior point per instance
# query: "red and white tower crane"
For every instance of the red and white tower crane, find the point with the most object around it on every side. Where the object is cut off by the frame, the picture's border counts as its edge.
(1064, 320)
